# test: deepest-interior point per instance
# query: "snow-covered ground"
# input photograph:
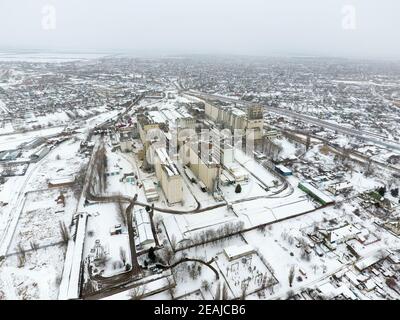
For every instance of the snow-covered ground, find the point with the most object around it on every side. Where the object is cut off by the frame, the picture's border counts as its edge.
(31, 222)
(55, 57)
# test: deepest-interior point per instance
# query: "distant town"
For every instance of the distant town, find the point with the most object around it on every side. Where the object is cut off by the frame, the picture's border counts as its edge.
(199, 178)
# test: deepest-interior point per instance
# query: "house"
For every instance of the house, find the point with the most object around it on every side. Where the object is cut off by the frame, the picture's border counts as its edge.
(340, 187)
(341, 234)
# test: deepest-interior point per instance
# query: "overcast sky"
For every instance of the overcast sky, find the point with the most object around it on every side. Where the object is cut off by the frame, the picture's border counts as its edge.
(253, 27)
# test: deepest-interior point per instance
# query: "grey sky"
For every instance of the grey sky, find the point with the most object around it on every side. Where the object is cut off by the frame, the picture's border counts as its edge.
(254, 27)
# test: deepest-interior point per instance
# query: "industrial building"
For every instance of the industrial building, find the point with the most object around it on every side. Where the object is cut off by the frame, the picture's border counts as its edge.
(200, 157)
(181, 118)
(255, 121)
(238, 173)
(315, 193)
(340, 187)
(168, 176)
(235, 252)
(125, 142)
(272, 134)
(144, 231)
(283, 170)
(223, 150)
(150, 190)
(234, 118)
(145, 124)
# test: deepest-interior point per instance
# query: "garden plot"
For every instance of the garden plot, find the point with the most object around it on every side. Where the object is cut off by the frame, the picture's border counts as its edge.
(277, 244)
(39, 223)
(38, 277)
(193, 276)
(35, 274)
(245, 274)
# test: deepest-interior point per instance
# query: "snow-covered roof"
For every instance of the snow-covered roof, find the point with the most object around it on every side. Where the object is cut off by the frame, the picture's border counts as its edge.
(341, 185)
(157, 116)
(238, 172)
(343, 232)
(317, 192)
(235, 251)
(62, 180)
(148, 185)
(283, 168)
(166, 162)
(145, 233)
(369, 261)
(141, 216)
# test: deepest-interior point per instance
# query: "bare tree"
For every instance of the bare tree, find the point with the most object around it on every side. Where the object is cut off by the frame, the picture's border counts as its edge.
(64, 232)
(205, 285)
(224, 292)
(34, 246)
(21, 255)
(315, 268)
(243, 294)
(167, 254)
(291, 276)
(290, 294)
(218, 292)
(122, 255)
(173, 242)
(171, 288)
(137, 293)
(121, 210)
(79, 181)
